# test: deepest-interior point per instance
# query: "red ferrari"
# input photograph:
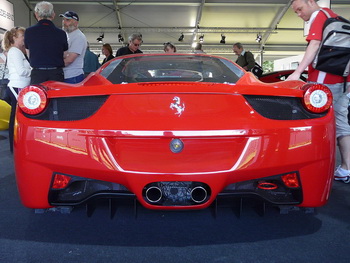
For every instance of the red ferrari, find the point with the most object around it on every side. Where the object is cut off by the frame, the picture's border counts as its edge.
(276, 76)
(174, 132)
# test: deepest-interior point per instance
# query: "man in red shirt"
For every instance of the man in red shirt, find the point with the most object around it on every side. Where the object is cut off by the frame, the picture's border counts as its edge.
(309, 10)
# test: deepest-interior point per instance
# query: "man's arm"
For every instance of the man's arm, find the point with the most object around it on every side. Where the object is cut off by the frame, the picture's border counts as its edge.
(69, 57)
(308, 58)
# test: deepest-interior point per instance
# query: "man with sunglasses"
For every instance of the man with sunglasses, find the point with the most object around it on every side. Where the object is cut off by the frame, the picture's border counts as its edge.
(135, 41)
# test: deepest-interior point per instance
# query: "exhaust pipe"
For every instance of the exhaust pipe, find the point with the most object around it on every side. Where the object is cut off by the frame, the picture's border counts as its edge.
(153, 194)
(198, 194)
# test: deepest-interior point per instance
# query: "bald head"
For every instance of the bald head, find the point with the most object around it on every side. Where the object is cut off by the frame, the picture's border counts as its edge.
(305, 8)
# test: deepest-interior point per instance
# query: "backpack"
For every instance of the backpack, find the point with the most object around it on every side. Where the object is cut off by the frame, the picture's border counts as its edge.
(333, 55)
(257, 70)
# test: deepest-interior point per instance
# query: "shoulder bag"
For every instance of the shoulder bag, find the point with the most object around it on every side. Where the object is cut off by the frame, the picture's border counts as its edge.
(3, 86)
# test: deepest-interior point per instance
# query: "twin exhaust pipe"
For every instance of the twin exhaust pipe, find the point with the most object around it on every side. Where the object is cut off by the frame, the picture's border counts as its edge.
(154, 194)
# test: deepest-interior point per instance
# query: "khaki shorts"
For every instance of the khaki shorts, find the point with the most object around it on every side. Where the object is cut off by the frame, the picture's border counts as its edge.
(340, 105)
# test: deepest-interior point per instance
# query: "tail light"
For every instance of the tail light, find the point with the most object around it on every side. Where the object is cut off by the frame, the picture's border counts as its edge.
(317, 98)
(291, 180)
(32, 100)
(60, 181)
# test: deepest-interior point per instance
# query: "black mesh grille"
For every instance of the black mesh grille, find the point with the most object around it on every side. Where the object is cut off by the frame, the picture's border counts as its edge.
(70, 108)
(281, 108)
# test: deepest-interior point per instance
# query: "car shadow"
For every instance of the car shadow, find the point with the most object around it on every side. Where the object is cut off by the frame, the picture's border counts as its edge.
(150, 228)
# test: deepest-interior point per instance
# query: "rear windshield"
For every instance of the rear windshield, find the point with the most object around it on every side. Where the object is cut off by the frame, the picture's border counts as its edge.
(163, 68)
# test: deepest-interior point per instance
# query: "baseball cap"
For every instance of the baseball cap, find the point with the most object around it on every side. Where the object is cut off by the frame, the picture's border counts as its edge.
(70, 15)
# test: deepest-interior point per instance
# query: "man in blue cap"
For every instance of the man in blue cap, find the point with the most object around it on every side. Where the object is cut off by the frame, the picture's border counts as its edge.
(74, 57)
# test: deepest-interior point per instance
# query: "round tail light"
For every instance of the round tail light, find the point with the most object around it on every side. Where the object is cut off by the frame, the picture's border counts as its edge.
(317, 98)
(32, 100)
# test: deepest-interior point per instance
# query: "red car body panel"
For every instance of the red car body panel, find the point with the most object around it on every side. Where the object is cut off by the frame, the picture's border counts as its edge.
(281, 75)
(127, 140)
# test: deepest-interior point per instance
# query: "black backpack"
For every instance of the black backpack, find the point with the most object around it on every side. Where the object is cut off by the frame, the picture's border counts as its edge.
(333, 55)
(257, 70)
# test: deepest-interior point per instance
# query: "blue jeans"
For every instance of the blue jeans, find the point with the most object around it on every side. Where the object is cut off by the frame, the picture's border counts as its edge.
(74, 80)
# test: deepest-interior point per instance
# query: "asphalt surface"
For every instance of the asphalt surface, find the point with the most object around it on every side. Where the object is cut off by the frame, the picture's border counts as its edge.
(158, 236)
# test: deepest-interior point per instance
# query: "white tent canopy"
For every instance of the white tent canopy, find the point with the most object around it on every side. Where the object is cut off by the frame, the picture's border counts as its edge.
(160, 21)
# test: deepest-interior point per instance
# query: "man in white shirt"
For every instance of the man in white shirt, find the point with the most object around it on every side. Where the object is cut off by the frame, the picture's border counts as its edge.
(77, 43)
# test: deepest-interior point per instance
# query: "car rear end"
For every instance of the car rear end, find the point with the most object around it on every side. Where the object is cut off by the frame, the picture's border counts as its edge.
(175, 145)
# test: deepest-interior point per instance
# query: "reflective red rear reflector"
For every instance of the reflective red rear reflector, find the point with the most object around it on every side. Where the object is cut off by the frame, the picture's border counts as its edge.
(267, 185)
(291, 180)
(60, 181)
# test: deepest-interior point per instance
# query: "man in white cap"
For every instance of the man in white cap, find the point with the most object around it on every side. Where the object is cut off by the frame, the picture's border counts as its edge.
(77, 43)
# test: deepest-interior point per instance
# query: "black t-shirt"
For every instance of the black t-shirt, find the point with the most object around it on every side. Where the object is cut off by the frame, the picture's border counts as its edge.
(46, 44)
(107, 59)
(126, 51)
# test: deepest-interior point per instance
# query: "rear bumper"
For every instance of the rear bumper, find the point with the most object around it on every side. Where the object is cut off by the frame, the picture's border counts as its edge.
(177, 195)
(310, 155)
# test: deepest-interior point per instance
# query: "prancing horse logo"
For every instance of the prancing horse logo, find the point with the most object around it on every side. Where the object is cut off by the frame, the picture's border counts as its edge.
(177, 105)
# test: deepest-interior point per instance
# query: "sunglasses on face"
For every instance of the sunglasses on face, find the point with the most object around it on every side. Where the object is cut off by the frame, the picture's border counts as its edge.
(136, 45)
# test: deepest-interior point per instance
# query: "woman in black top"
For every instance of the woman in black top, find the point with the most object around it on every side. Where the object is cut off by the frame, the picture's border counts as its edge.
(107, 51)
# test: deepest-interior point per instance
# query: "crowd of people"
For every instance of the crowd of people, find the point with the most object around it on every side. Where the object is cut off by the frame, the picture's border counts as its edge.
(45, 52)
(40, 53)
